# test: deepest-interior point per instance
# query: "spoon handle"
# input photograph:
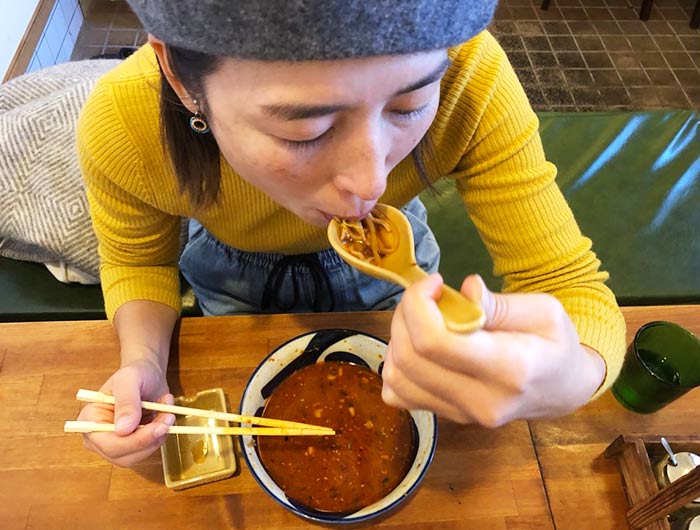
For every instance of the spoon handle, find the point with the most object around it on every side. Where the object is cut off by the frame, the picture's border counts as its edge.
(671, 455)
(460, 314)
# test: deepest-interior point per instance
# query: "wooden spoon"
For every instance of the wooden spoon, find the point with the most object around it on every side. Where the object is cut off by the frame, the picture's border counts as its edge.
(461, 315)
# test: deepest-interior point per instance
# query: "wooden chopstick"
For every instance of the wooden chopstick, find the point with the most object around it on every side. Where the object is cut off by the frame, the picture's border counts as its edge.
(99, 397)
(91, 426)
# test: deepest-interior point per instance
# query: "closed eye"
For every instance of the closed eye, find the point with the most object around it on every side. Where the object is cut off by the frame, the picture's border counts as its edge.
(305, 144)
(411, 114)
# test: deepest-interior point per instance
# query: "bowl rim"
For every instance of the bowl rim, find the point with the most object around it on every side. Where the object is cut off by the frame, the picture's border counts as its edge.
(348, 519)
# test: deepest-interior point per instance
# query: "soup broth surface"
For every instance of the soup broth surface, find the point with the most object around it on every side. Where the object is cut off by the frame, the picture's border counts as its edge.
(366, 459)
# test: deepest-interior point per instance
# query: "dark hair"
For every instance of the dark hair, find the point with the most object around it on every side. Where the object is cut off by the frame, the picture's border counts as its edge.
(195, 157)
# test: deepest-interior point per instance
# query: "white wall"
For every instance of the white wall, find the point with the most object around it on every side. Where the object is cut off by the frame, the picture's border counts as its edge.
(14, 19)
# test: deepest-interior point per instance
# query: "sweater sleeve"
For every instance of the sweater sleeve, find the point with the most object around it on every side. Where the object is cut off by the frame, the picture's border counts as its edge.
(511, 195)
(138, 243)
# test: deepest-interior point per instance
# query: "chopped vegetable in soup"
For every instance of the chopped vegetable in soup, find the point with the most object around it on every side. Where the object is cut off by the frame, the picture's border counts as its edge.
(366, 459)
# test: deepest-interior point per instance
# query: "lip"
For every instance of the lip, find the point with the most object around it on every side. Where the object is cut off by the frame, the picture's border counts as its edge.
(354, 216)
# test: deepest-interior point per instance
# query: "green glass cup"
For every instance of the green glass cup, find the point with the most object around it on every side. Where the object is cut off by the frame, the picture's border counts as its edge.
(662, 364)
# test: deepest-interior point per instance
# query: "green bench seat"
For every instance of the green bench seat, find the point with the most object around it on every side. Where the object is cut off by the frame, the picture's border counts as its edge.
(31, 293)
(632, 179)
(633, 182)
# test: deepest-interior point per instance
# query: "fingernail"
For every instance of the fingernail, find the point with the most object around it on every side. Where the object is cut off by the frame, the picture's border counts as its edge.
(160, 430)
(170, 419)
(122, 423)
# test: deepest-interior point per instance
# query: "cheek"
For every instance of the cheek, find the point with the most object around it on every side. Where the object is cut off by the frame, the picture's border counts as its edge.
(403, 145)
(285, 169)
(412, 136)
(267, 166)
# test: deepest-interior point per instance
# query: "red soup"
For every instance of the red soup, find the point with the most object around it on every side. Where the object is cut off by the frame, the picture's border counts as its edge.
(367, 458)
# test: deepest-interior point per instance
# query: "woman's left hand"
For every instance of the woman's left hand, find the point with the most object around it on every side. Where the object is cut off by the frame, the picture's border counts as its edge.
(526, 362)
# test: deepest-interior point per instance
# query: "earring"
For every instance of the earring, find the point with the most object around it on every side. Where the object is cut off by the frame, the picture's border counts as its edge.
(197, 122)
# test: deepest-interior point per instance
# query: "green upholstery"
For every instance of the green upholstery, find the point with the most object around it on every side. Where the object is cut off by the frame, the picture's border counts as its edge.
(28, 291)
(633, 182)
(632, 179)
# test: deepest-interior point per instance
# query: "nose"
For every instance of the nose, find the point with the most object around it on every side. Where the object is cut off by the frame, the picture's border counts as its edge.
(362, 169)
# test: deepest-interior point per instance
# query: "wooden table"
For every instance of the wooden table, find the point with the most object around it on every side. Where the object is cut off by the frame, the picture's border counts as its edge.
(583, 487)
(541, 475)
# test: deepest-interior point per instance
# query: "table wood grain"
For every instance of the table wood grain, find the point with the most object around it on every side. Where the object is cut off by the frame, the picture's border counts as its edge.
(478, 479)
(540, 475)
(584, 488)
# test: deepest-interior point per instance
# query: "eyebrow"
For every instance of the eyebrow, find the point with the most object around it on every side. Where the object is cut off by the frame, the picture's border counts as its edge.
(292, 112)
(428, 79)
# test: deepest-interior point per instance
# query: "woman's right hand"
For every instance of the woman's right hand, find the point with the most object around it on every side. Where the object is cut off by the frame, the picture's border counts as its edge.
(139, 380)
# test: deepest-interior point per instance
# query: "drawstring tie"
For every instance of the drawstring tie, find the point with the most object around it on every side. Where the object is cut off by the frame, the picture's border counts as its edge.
(275, 279)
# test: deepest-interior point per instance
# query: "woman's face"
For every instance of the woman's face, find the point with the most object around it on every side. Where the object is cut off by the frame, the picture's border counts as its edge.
(320, 137)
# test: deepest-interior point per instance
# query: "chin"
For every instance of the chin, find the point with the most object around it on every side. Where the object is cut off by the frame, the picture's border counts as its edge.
(316, 218)
(319, 221)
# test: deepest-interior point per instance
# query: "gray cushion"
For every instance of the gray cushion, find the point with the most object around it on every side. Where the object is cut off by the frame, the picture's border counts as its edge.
(43, 209)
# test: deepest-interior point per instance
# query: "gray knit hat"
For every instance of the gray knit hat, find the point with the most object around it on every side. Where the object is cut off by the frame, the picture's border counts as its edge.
(299, 30)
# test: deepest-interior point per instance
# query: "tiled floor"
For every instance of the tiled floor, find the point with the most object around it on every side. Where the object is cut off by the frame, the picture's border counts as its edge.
(577, 55)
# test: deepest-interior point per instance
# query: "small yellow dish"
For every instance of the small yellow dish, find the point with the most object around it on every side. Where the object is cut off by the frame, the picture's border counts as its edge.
(194, 459)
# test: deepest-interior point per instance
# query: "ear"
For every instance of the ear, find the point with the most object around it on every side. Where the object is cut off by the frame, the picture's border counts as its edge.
(162, 54)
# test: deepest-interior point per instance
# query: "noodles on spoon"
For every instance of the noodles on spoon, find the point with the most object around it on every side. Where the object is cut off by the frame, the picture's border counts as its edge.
(370, 239)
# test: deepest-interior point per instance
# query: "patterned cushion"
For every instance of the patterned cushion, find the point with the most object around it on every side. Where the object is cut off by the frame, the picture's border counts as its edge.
(43, 209)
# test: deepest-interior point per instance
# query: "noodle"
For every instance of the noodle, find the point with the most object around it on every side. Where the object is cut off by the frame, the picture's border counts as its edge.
(371, 239)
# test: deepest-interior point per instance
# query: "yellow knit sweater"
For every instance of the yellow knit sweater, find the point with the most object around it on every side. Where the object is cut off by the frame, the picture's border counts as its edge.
(485, 137)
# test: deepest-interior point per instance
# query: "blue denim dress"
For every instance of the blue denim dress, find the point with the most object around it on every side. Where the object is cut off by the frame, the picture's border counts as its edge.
(229, 281)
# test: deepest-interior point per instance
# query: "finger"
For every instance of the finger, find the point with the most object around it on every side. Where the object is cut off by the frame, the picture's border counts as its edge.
(537, 313)
(166, 399)
(404, 391)
(469, 374)
(148, 416)
(127, 403)
(503, 359)
(459, 397)
(116, 449)
(135, 458)
(99, 412)
(423, 384)
(510, 361)
(418, 399)
(473, 287)
(420, 312)
(143, 440)
(421, 335)
(130, 458)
